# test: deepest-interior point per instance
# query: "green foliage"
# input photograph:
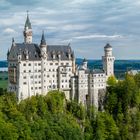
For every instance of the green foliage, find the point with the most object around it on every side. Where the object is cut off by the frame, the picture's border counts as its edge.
(105, 127)
(55, 101)
(123, 102)
(51, 117)
(111, 81)
(76, 109)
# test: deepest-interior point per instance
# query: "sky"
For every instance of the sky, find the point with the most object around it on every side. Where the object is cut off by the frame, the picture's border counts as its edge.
(86, 24)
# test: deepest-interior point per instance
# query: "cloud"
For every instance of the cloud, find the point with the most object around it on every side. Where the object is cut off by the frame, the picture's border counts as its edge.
(99, 36)
(22, 2)
(9, 31)
(86, 23)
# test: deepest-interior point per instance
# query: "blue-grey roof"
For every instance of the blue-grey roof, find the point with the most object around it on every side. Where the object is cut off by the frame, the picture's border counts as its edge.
(108, 46)
(28, 23)
(43, 41)
(96, 71)
(34, 53)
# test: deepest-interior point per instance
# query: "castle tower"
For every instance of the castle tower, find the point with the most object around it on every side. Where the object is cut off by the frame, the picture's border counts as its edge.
(108, 61)
(85, 62)
(43, 46)
(43, 49)
(27, 31)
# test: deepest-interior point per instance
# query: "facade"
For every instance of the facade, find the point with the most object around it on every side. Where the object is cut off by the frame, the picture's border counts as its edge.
(37, 69)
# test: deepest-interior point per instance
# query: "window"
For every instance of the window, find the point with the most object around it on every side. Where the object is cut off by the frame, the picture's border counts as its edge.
(51, 63)
(24, 77)
(24, 83)
(24, 71)
(56, 63)
(29, 64)
(39, 64)
(24, 64)
(29, 70)
(32, 88)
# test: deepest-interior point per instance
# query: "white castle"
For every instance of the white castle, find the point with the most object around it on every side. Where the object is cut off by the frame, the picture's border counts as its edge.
(37, 69)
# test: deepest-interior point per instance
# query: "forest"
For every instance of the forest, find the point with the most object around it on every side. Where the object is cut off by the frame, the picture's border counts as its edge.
(52, 117)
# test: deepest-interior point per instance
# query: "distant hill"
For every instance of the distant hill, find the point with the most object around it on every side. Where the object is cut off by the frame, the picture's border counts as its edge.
(3, 64)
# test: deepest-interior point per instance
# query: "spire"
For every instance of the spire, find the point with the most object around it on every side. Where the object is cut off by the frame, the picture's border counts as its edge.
(28, 23)
(43, 41)
(84, 60)
(8, 52)
(13, 42)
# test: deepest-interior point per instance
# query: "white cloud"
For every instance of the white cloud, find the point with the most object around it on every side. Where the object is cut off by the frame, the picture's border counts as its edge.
(99, 36)
(9, 31)
(73, 2)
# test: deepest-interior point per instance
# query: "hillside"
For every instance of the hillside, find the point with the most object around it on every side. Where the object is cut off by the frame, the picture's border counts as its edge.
(52, 117)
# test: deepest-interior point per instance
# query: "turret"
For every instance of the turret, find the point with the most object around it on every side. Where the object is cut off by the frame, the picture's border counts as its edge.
(85, 64)
(43, 46)
(27, 31)
(13, 42)
(108, 61)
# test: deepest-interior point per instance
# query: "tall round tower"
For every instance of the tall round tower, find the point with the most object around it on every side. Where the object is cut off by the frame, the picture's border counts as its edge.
(108, 61)
(27, 31)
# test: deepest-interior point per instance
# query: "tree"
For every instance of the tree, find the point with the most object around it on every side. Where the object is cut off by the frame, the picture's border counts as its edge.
(111, 81)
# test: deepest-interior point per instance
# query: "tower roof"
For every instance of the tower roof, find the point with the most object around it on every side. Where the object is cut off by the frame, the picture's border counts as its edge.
(28, 23)
(84, 60)
(108, 46)
(43, 41)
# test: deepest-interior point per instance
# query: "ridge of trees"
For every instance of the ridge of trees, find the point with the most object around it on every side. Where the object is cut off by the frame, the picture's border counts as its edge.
(52, 117)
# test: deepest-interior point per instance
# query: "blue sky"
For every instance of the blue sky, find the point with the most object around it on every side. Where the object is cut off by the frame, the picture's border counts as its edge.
(87, 24)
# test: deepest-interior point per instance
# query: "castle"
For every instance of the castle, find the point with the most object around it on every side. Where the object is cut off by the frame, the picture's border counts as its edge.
(37, 69)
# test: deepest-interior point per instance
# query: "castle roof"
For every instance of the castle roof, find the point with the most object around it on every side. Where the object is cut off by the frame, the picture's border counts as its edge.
(28, 23)
(43, 41)
(97, 71)
(34, 51)
(108, 46)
